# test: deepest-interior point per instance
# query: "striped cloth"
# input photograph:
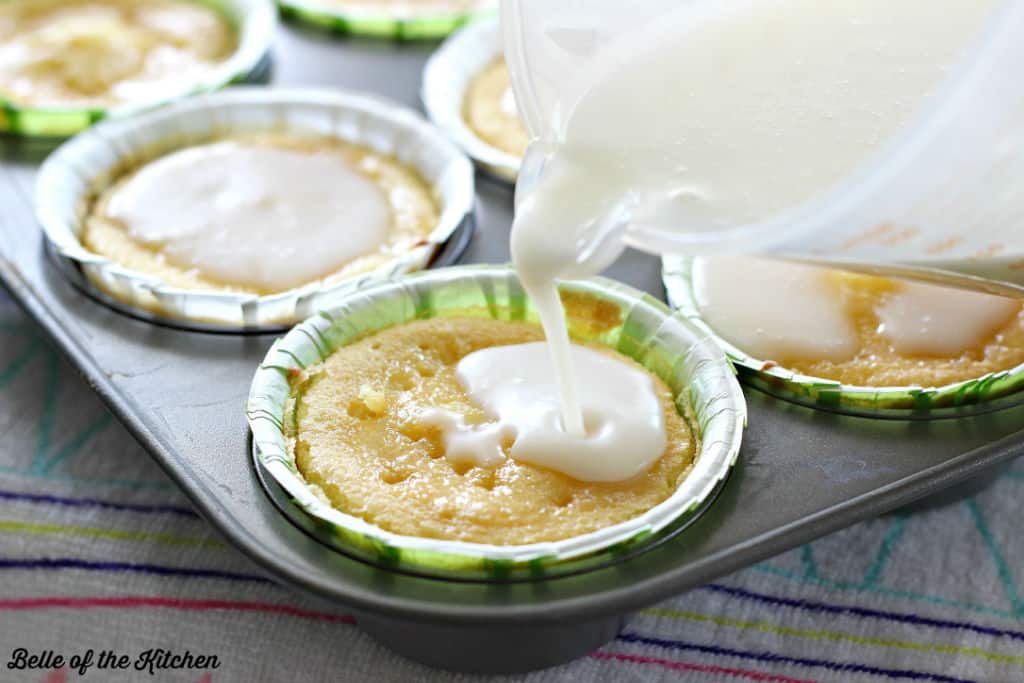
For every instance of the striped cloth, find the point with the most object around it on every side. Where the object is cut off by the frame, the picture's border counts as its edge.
(99, 552)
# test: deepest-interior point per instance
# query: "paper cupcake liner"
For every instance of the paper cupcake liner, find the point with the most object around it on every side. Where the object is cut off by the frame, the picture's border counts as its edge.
(695, 370)
(345, 18)
(255, 21)
(446, 78)
(83, 167)
(991, 392)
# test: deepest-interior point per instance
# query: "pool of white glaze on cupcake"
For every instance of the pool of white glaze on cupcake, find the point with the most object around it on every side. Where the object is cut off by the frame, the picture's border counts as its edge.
(857, 329)
(624, 430)
(253, 216)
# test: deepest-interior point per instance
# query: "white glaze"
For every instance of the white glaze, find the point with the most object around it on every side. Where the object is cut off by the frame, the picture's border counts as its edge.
(773, 310)
(254, 215)
(508, 103)
(625, 427)
(924, 320)
(720, 115)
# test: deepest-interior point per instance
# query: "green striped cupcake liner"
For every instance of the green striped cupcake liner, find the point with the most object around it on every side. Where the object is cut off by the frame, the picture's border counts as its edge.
(349, 18)
(991, 392)
(83, 167)
(446, 78)
(255, 21)
(694, 368)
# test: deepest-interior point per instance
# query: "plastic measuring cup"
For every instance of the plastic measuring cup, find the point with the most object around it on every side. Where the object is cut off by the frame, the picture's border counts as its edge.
(942, 199)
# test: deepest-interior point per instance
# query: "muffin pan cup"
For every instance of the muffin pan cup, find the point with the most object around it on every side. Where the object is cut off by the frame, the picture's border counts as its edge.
(255, 21)
(802, 473)
(695, 370)
(446, 79)
(80, 169)
(990, 392)
(348, 18)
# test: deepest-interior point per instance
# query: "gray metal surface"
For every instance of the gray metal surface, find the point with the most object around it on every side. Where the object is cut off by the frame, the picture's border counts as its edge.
(802, 474)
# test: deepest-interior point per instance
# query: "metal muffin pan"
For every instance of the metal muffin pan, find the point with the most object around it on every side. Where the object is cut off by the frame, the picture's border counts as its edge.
(801, 474)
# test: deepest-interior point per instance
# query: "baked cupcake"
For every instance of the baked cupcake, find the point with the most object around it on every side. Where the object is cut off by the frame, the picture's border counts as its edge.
(99, 53)
(262, 214)
(853, 339)
(491, 113)
(65, 64)
(419, 423)
(250, 208)
(467, 93)
(386, 429)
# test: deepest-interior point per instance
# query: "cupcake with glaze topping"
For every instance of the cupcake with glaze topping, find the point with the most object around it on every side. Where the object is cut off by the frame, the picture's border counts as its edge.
(262, 214)
(249, 209)
(855, 339)
(406, 430)
(100, 53)
(420, 424)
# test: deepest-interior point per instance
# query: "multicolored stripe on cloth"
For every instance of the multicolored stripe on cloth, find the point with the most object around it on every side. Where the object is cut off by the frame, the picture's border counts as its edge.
(98, 551)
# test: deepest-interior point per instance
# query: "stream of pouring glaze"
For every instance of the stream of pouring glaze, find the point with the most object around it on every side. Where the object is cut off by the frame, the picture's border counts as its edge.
(813, 89)
(715, 116)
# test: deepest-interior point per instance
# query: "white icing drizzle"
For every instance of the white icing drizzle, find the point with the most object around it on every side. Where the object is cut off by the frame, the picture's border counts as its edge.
(515, 385)
(254, 215)
(925, 320)
(772, 309)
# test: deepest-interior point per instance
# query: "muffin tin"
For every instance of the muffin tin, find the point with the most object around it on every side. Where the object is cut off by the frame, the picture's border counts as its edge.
(802, 473)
